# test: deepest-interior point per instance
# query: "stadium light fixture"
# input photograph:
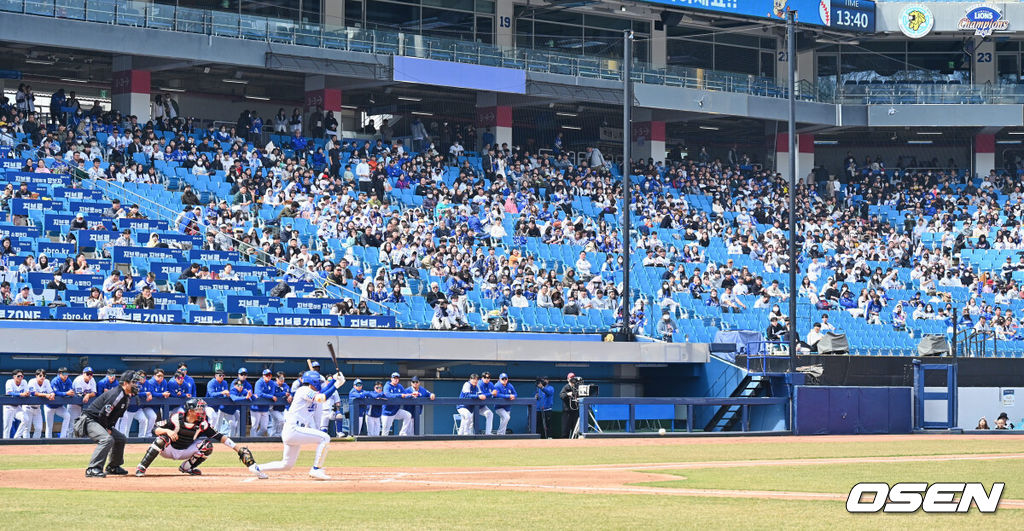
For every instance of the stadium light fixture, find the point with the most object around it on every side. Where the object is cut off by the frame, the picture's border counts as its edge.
(419, 113)
(566, 114)
(33, 61)
(1017, 132)
(74, 80)
(572, 127)
(826, 142)
(708, 127)
(409, 98)
(170, 89)
(235, 81)
(350, 107)
(257, 98)
(35, 358)
(262, 360)
(1008, 141)
(919, 141)
(143, 359)
(929, 132)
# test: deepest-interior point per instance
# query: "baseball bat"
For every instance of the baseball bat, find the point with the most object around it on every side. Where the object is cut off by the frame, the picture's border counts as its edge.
(334, 356)
(309, 363)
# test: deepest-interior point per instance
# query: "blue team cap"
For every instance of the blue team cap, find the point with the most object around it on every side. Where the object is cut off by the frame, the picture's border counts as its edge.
(396, 375)
(267, 371)
(87, 370)
(415, 379)
(243, 371)
(502, 376)
(357, 382)
(316, 363)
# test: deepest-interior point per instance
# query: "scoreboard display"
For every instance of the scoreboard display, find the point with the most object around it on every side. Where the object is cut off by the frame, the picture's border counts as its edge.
(853, 15)
(847, 15)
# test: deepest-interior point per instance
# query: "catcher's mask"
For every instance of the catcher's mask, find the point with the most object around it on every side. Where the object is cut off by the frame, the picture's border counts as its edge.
(135, 379)
(197, 408)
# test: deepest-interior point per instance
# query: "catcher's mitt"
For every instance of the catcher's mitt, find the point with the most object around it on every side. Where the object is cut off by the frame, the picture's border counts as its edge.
(246, 456)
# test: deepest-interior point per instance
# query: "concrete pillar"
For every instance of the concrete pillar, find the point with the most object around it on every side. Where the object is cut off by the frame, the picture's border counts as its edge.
(648, 140)
(804, 155)
(320, 96)
(493, 120)
(504, 23)
(659, 48)
(984, 154)
(334, 13)
(983, 62)
(130, 89)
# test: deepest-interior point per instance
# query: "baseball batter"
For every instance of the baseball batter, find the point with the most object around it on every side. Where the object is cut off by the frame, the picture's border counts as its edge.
(301, 422)
(186, 436)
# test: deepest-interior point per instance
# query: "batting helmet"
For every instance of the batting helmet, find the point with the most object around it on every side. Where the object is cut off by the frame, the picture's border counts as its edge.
(312, 378)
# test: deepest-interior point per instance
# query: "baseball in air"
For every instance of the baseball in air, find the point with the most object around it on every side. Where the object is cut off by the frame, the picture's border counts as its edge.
(661, 431)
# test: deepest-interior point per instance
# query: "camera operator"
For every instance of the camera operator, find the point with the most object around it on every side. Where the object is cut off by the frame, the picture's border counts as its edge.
(545, 399)
(570, 405)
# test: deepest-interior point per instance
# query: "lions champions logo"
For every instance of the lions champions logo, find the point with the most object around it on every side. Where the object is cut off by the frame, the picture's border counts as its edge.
(916, 21)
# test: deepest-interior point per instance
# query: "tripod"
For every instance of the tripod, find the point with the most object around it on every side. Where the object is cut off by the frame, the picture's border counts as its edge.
(593, 422)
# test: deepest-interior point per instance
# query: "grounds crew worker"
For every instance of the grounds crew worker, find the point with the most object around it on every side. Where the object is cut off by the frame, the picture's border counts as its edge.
(97, 422)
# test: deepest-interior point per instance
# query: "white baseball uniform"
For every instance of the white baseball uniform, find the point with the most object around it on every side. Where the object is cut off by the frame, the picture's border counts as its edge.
(301, 423)
(81, 388)
(12, 413)
(32, 416)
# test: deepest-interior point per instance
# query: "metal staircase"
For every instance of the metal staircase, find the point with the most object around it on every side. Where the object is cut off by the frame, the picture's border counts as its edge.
(727, 417)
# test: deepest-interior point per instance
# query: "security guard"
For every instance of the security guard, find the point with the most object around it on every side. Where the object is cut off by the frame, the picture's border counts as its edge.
(99, 419)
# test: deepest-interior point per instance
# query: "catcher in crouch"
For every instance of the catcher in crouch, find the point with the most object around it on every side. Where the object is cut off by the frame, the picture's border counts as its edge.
(187, 435)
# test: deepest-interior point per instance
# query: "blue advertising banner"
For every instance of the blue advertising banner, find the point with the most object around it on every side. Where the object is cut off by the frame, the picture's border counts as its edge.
(238, 303)
(812, 12)
(208, 317)
(78, 194)
(198, 287)
(95, 238)
(461, 75)
(21, 207)
(123, 255)
(39, 178)
(75, 296)
(76, 314)
(249, 269)
(368, 321)
(200, 255)
(196, 241)
(55, 249)
(287, 319)
(312, 304)
(89, 207)
(12, 164)
(16, 231)
(5, 151)
(153, 316)
(36, 188)
(59, 222)
(24, 312)
(163, 298)
(165, 268)
(141, 224)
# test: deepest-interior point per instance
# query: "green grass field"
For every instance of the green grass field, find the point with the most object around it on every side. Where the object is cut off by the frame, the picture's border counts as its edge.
(548, 508)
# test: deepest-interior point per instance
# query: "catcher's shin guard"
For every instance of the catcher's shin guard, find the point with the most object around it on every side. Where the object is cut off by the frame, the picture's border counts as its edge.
(203, 451)
(154, 450)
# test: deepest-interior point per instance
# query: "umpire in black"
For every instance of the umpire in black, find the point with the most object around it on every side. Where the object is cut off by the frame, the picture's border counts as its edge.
(98, 423)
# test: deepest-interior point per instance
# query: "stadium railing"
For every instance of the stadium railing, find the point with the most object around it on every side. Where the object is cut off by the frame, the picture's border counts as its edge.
(528, 403)
(287, 31)
(586, 404)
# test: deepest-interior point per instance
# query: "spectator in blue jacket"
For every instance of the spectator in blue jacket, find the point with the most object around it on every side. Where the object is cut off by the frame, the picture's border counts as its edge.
(241, 394)
(190, 383)
(416, 390)
(470, 390)
(375, 411)
(284, 396)
(299, 144)
(394, 389)
(107, 383)
(177, 387)
(489, 390)
(358, 392)
(217, 387)
(504, 390)
(61, 386)
(545, 401)
(264, 390)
